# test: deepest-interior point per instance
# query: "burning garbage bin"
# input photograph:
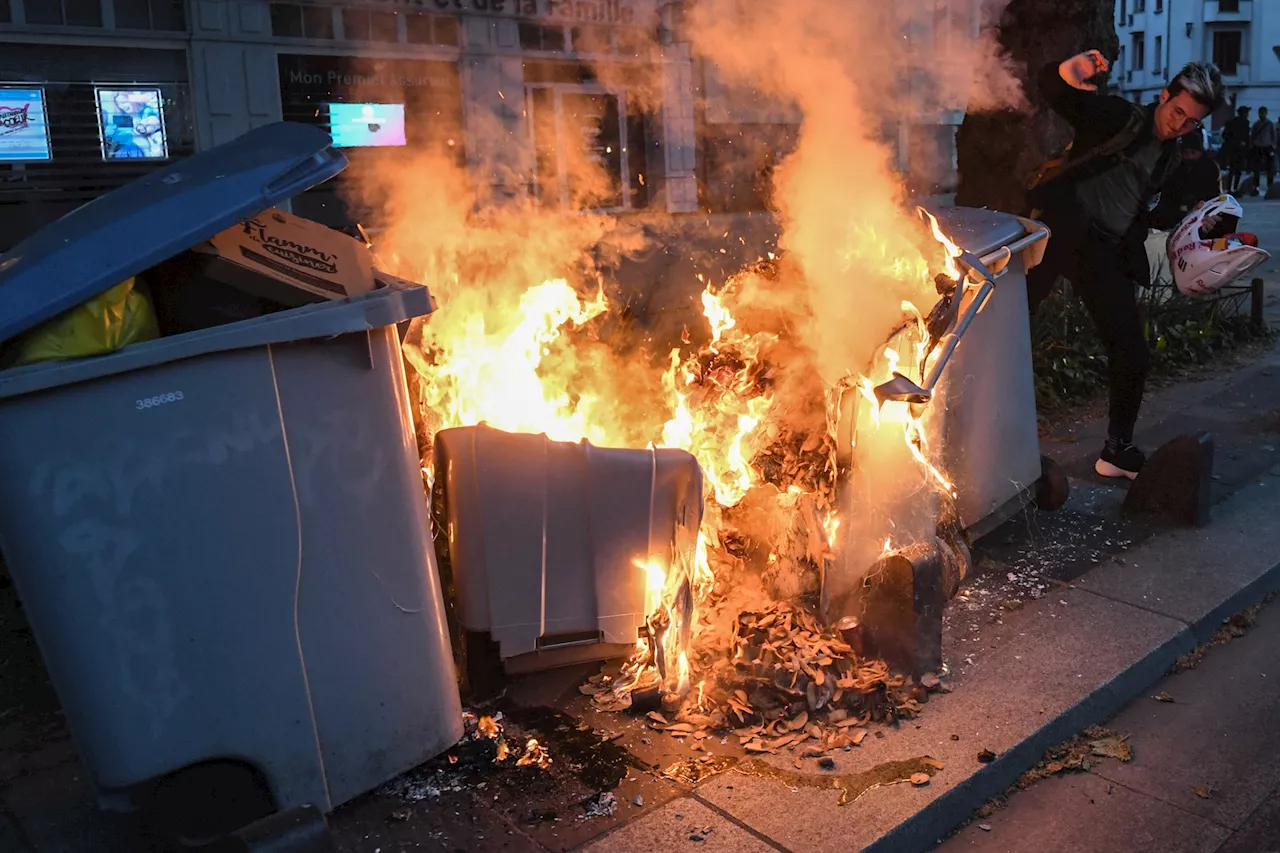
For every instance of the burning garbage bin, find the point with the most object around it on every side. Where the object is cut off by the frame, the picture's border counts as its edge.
(991, 443)
(979, 390)
(220, 537)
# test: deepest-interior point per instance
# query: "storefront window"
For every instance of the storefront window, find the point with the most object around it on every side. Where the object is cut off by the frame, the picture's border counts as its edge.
(384, 26)
(539, 37)
(420, 28)
(168, 15)
(355, 24)
(591, 141)
(591, 40)
(72, 13)
(446, 30)
(291, 20)
(286, 20)
(634, 42)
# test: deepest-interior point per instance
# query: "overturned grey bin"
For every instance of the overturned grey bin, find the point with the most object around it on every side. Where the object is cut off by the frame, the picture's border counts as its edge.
(546, 540)
(221, 538)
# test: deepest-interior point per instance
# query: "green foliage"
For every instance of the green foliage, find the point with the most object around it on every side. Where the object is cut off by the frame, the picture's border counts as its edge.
(1071, 365)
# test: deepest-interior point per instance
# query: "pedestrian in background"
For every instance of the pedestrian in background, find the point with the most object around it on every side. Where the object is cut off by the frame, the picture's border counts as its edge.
(1235, 147)
(1262, 141)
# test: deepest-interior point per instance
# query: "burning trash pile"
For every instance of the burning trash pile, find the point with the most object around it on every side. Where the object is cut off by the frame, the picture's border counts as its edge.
(789, 683)
(735, 637)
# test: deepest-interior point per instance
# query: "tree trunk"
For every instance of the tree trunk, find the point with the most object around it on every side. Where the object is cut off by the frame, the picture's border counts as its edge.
(998, 152)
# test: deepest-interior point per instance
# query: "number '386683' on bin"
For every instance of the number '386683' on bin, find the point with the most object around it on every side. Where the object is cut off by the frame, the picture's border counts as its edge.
(157, 400)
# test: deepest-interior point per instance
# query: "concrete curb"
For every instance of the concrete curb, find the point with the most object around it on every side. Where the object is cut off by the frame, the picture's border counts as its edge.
(939, 818)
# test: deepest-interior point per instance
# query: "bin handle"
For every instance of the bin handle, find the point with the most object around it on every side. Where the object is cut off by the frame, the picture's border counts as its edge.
(1036, 232)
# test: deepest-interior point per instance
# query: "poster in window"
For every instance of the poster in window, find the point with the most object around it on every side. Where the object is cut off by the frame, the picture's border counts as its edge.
(24, 132)
(131, 122)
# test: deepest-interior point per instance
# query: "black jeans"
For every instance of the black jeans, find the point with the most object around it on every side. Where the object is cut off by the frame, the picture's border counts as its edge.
(1104, 272)
(1237, 161)
(1264, 160)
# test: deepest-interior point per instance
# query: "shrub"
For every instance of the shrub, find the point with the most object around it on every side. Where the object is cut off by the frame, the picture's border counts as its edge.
(1071, 365)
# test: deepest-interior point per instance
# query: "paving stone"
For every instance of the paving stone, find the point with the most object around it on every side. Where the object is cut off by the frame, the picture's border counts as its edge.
(1261, 832)
(1193, 574)
(668, 830)
(1084, 812)
(1220, 733)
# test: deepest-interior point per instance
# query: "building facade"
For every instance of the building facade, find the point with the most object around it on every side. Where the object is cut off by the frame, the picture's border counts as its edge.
(94, 93)
(1242, 37)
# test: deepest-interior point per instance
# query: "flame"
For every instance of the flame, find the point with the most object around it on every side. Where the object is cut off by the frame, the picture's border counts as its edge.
(655, 583)
(717, 315)
(722, 434)
(896, 412)
(488, 371)
(952, 251)
(515, 364)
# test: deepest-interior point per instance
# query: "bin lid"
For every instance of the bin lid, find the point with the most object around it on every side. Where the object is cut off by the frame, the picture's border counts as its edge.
(146, 221)
(978, 230)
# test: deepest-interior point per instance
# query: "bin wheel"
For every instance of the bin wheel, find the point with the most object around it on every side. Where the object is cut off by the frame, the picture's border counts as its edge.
(205, 802)
(1052, 489)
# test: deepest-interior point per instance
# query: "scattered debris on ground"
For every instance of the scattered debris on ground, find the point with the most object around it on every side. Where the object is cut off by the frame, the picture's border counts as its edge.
(603, 804)
(1077, 755)
(1233, 629)
(700, 834)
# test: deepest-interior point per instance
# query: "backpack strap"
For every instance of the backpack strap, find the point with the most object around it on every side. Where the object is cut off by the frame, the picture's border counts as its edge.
(1118, 143)
(1053, 170)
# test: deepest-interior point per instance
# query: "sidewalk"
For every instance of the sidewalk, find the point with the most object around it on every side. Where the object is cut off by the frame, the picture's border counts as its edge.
(1203, 776)
(1069, 616)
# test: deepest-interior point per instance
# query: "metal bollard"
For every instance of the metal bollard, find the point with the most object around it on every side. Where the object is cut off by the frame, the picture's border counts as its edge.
(902, 602)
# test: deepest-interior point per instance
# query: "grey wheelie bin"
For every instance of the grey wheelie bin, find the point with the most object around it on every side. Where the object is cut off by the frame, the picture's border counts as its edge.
(221, 537)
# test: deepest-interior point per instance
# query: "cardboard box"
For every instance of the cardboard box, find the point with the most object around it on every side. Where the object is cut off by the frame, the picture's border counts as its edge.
(289, 260)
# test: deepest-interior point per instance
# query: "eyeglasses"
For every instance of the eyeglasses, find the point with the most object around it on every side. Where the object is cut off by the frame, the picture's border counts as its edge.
(1186, 122)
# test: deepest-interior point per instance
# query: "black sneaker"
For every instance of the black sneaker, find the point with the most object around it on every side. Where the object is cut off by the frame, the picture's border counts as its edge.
(1124, 460)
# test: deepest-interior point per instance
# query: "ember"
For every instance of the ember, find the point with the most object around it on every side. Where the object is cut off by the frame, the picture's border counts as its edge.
(534, 753)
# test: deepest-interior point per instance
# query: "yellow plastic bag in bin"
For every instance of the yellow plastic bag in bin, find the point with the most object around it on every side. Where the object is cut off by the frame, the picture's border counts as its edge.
(108, 322)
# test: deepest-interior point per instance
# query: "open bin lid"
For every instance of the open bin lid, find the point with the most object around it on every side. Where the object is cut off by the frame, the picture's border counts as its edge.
(146, 221)
(978, 230)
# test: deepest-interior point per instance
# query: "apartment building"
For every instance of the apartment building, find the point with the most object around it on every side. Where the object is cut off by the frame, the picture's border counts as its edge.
(1242, 37)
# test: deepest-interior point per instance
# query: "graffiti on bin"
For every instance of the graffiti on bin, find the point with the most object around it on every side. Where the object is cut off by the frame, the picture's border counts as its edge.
(133, 613)
(345, 442)
(114, 472)
(110, 497)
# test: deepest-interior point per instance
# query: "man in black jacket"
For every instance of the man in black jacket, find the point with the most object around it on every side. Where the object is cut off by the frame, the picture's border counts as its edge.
(1098, 215)
(1235, 147)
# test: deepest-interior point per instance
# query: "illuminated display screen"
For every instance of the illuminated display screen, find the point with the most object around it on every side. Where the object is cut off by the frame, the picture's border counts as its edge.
(131, 124)
(366, 125)
(24, 132)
